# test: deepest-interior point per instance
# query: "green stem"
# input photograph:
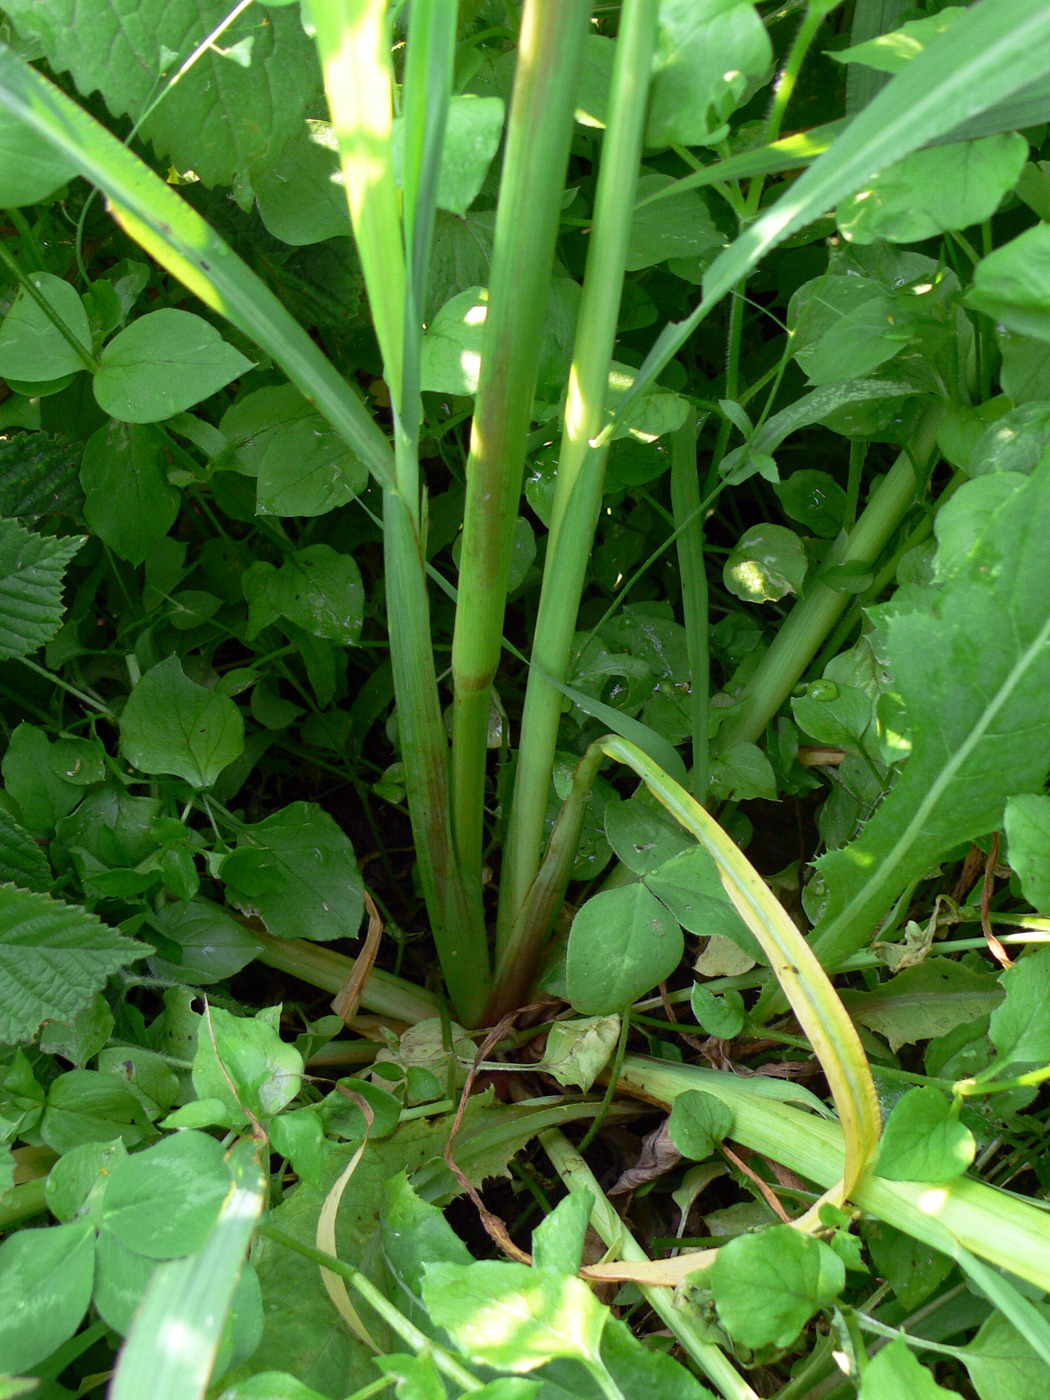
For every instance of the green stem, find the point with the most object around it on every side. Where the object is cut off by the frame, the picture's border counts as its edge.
(540, 129)
(577, 1176)
(785, 85)
(581, 468)
(685, 501)
(366, 1289)
(815, 614)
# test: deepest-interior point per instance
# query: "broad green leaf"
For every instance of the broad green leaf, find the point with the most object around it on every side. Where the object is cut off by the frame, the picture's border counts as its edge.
(557, 1242)
(271, 1385)
(302, 466)
(641, 1370)
(32, 568)
(213, 944)
(43, 797)
(513, 1316)
(1011, 284)
(243, 1061)
(768, 1286)
(415, 1234)
(577, 1051)
(416, 1377)
(1020, 1025)
(121, 1279)
(297, 870)
(1002, 1364)
(1025, 373)
(767, 562)
(998, 1287)
(1016, 441)
(679, 226)
(895, 1372)
(742, 771)
(163, 363)
(924, 1001)
(932, 191)
(893, 51)
(76, 1184)
(1027, 821)
(622, 943)
(45, 1288)
(973, 672)
(22, 862)
(923, 1140)
(833, 714)
(698, 1123)
(129, 502)
(84, 1106)
(222, 119)
(722, 1016)
(451, 355)
(171, 724)
(961, 522)
(908, 1265)
(472, 135)
(642, 834)
(316, 588)
(301, 197)
(857, 343)
(815, 500)
(174, 1341)
(83, 1037)
(163, 1202)
(54, 957)
(29, 171)
(690, 886)
(707, 60)
(31, 346)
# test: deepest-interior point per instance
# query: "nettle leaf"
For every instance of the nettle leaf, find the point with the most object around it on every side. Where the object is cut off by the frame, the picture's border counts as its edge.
(932, 191)
(768, 1286)
(698, 1123)
(243, 1062)
(54, 957)
(38, 477)
(32, 568)
(1020, 1026)
(678, 226)
(316, 588)
(472, 136)
(513, 1316)
(895, 1372)
(129, 502)
(621, 944)
(31, 346)
(708, 55)
(1027, 822)
(297, 870)
(973, 670)
(923, 1139)
(767, 562)
(45, 1289)
(163, 363)
(222, 119)
(1012, 285)
(22, 862)
(302, 467)
(171, 724)
(163, 1202)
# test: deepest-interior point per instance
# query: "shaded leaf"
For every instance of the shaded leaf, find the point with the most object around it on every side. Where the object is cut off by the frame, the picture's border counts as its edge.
(171, 724)
(162, 363)
(923, 1140)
